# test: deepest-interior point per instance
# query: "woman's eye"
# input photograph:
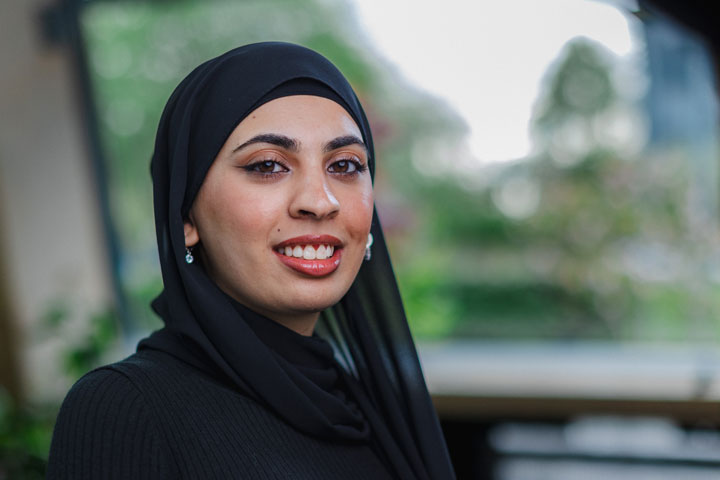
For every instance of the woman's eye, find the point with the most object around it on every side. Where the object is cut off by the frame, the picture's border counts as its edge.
(265, 167)
(346, 166)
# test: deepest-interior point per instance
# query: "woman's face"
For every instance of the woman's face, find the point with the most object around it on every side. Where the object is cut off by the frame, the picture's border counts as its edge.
(284, 212)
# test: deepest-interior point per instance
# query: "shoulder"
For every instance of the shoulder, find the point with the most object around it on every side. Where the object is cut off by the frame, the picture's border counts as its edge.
(105, 430)
(110, 390)
(103, 385)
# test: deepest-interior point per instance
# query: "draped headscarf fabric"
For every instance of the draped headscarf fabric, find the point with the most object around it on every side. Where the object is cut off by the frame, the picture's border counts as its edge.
(366, 331)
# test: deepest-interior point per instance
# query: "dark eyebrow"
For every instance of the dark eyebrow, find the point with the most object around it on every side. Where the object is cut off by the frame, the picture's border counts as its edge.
(273, 138)
(344, 141)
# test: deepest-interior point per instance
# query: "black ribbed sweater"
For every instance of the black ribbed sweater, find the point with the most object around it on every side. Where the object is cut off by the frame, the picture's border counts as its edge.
(152, 416)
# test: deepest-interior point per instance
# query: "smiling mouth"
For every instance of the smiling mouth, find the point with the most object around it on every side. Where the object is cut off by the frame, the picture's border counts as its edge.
(312, 255)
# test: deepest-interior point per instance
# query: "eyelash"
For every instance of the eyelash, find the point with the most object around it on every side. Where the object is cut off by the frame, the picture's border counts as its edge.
(254, 167)
(359, 166)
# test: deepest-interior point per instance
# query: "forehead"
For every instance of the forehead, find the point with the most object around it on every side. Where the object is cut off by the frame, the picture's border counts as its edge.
(298, 115)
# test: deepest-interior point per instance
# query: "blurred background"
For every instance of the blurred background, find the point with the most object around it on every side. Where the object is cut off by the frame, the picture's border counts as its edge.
(547, 179)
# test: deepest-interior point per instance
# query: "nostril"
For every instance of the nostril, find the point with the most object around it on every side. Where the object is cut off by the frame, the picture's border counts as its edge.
(314, 201)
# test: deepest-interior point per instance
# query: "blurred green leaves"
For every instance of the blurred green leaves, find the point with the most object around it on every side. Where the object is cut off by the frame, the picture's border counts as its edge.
(26, 428)
(89, 352)
(24, 439)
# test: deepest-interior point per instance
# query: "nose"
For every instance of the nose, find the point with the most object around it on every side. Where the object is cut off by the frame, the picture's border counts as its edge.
(314, 198)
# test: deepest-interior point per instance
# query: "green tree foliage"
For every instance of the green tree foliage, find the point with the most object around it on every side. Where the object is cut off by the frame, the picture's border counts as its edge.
(588, 238)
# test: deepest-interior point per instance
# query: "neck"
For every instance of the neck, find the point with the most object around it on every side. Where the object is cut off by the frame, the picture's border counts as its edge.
(303, 324)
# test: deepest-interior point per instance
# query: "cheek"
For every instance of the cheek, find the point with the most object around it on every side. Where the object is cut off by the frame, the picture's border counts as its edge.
(243, 215)
(367, 200)
(360, 216)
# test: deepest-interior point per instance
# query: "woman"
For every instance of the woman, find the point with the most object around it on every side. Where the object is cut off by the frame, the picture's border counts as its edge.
(262, 176)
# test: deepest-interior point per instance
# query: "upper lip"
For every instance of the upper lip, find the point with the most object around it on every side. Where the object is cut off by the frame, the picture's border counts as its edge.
(310, 240)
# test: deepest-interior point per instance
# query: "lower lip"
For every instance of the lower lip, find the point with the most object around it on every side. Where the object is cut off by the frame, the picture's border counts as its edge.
(313, 268)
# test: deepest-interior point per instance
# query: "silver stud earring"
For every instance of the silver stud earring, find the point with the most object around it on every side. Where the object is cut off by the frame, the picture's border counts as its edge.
(368, 252)
(189, 256)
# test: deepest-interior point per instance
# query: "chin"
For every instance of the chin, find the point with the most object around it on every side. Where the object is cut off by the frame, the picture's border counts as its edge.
(313, 304)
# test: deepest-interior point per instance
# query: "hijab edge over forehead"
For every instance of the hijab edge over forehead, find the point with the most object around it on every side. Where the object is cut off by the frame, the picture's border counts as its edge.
(302, 85)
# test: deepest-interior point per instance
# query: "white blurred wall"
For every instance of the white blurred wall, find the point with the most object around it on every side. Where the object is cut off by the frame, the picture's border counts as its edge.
(49, 218)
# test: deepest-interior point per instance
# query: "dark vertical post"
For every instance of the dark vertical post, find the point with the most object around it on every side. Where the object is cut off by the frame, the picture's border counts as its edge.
(61, 24)
(10, 375)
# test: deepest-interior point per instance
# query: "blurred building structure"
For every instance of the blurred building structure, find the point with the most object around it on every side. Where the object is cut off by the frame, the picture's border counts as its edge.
(53, 256)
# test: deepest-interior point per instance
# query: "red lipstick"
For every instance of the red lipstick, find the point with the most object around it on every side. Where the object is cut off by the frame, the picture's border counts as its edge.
(314, 267)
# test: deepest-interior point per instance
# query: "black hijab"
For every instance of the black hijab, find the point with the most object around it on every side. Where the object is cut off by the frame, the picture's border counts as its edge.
(366, 332)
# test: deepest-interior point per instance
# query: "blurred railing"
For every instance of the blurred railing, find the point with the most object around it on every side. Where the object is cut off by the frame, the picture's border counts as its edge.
(475, 379)
(520, 411)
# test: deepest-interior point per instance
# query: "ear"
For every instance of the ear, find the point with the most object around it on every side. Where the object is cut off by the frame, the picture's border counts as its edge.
(192, 237)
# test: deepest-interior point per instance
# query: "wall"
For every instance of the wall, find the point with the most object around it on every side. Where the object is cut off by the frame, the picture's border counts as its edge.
(53, 251)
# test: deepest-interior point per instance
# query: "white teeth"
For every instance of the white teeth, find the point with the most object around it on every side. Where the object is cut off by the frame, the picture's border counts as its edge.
(309, 253)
